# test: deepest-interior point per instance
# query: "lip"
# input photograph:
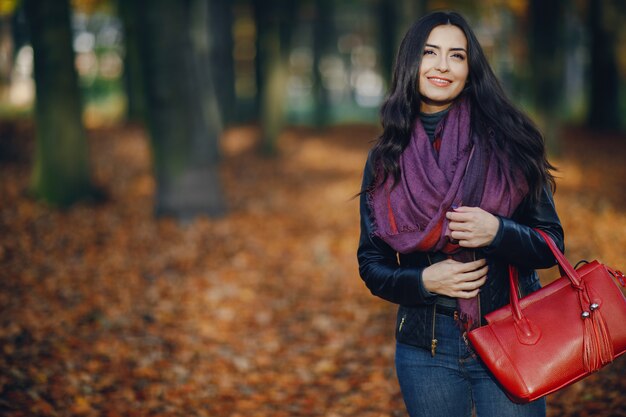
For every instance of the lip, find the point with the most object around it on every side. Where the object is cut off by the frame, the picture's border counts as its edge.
(439, 81)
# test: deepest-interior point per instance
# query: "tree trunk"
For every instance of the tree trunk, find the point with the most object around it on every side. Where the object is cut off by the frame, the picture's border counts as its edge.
(6, 56)
(410, 11)
(135, 109)
(274, 19)
(388, 37)
(323, 34)
(221, 56)
(604, 98)
(182, 116)
(547, 66)
(61, 167)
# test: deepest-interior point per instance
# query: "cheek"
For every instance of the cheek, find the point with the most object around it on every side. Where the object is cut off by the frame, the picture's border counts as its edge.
(421, 83)
(464, 72)
(466, 77)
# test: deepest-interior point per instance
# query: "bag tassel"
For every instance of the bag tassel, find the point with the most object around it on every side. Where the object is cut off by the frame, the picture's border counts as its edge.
(597, 343)
(590, 337)
(603, 337)
(590, 345)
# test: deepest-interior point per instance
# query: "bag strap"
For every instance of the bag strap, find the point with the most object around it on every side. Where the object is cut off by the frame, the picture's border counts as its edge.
(564, 264)
(526, 331)
(566, 267)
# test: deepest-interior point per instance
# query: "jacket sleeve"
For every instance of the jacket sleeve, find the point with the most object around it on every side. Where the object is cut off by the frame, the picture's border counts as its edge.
(378, 262)
(518, 244)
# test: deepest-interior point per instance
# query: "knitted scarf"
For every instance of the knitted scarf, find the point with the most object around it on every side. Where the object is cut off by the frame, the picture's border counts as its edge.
(457, 170)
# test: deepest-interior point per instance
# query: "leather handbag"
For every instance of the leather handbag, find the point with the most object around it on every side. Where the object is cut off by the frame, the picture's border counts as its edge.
(557, 335)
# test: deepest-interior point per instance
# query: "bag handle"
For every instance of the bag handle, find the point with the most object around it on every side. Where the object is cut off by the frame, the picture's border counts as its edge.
(527, 332)
(570, 271)
(564, 264)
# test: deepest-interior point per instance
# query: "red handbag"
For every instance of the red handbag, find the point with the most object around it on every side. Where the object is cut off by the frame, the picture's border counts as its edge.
(557, 335)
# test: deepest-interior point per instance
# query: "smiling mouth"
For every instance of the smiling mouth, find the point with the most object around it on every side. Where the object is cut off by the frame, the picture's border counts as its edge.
(440, 82)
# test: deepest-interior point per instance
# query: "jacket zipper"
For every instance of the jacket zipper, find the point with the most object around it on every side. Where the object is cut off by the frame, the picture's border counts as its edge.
(401, 324)
(480, 314)
(433, 342)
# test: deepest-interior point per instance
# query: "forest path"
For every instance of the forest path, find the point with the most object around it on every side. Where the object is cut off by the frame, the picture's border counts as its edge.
(107, 311)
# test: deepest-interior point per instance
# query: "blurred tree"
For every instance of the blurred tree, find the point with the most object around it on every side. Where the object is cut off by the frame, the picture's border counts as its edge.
(205, 64)
(323, 35)
(408, 11)
(129, 14)
(7, 9)
(221, 52)
(181, 109)
(604, 100)
(546, 54)
(274, 19)
(388, 23)
(89, 6)
(61, 167)
(395, 19)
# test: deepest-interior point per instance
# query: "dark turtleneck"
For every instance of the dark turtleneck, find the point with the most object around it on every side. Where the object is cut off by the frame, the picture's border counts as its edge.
(430, 122)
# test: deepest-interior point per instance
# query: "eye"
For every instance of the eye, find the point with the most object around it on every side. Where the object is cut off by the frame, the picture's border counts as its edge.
(429, 52)
(460, 57)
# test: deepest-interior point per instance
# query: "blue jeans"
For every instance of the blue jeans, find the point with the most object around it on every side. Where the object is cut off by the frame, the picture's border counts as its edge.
(454, 381)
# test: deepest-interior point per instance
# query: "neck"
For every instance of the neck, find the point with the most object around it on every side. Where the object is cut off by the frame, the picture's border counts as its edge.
(429, 106)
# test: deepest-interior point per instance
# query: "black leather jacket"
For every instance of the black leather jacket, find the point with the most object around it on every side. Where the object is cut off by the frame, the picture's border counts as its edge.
(398, 277)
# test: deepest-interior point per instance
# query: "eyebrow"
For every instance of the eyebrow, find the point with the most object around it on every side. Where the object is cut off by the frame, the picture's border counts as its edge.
(452, 49)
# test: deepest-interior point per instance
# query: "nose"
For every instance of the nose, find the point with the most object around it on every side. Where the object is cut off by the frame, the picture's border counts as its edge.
(442, 65)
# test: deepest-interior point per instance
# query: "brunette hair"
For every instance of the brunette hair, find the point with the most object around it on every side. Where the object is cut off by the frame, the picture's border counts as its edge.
(496, 120)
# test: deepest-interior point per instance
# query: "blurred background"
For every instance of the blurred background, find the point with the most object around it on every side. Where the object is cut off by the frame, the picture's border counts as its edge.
(177, 222)
(202, 66)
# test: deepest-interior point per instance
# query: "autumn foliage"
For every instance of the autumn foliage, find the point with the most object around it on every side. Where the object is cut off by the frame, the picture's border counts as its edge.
(107, 311)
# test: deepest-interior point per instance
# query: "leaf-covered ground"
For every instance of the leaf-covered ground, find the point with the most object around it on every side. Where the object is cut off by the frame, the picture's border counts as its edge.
(106, 311)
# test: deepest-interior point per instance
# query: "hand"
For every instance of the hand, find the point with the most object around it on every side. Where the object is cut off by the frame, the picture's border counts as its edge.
(472, 227)
(455, 279)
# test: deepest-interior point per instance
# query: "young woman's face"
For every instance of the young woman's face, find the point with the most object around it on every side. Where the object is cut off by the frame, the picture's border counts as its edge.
(444, 68)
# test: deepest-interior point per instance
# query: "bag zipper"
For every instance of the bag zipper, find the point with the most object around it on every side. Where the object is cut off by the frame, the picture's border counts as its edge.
(401, 324)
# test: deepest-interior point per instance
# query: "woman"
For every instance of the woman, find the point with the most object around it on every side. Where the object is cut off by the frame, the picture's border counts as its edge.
(451, 193)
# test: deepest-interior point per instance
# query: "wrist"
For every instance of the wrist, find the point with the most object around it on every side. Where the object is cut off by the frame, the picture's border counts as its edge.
(427, 282)
(494, 228)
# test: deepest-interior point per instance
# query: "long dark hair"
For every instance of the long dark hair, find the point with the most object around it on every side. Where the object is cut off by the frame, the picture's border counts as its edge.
(494, 118)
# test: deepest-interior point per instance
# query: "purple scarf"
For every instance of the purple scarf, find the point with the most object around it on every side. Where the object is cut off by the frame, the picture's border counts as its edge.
(412, 215)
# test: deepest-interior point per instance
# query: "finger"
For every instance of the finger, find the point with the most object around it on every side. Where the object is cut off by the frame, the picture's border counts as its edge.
(470, 266)
(460, 226)
(475, 276)
(457, 217)
(467, 294)
(469, 243)
(470, 280)
(472, 287)
(468, 290)
(467, 209)
(462, 211)
(473, 241)
(474, 282)
(461, 234)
